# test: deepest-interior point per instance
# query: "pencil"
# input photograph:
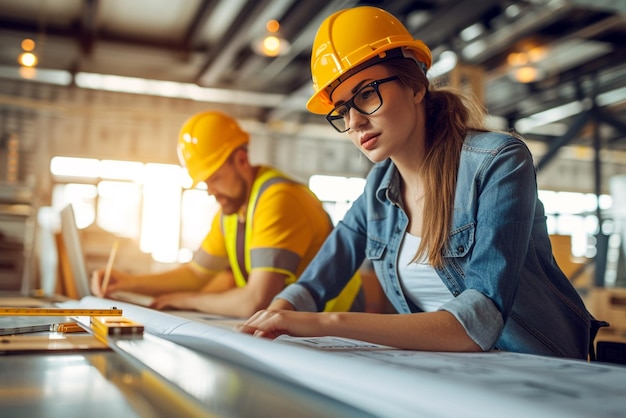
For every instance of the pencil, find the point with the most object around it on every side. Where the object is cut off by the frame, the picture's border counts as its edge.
(109, 266)
(66, 327)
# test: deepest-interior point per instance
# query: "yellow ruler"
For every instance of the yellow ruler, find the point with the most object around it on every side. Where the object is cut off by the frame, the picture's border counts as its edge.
(58, 312)
(115, 326)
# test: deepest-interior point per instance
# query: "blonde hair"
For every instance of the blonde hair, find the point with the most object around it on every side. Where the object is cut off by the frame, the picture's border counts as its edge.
(449, 117)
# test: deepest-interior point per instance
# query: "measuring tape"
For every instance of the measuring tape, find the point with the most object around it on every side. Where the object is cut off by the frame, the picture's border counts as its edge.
(58, 312)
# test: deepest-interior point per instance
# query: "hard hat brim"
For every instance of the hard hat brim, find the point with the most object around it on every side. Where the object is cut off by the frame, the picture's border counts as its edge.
(320, 103)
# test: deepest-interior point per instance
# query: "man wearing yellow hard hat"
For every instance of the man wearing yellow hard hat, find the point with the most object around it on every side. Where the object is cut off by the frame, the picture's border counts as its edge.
(267, 230)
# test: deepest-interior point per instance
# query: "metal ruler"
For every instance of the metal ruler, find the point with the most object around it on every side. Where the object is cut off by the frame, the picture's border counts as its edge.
(58, 312)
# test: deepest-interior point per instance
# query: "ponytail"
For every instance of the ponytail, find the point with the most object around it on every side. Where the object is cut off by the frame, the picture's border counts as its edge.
(449, 117)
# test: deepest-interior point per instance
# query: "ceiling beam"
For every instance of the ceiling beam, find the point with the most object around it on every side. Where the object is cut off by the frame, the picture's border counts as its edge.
(610, 119)
(453, 19)
(88, 25)
(573, 130)
(201, 17)
(242, 30)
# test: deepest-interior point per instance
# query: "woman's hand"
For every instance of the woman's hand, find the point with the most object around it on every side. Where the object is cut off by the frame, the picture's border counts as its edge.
(276, 305)
(270, 323)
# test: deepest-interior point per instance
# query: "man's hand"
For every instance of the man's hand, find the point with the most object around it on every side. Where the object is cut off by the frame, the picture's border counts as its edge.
(176, 300)
(117, 281)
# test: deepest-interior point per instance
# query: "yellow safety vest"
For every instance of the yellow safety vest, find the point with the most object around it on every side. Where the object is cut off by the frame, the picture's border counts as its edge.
(237, 238)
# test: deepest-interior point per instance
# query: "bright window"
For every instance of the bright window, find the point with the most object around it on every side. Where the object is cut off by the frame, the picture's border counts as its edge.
(145, 202)
(336, 193)
(574, 214)
(119, 207)
(152, 204)
(81, 196)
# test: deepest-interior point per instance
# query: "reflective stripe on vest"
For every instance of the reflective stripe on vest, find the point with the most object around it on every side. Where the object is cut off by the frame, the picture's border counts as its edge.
(238, 233)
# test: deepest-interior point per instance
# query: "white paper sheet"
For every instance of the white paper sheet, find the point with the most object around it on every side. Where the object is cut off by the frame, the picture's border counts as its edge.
(398, 383)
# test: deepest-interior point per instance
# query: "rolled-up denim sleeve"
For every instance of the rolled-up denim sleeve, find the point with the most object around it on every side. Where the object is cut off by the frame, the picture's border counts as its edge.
(299, 297)
(333, 266)
(479, 316)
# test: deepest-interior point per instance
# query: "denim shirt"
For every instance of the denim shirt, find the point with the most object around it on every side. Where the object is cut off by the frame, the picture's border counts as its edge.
(509, 293)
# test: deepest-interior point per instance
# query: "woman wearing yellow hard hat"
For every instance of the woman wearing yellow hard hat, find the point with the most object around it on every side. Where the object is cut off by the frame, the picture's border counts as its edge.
(449, 218)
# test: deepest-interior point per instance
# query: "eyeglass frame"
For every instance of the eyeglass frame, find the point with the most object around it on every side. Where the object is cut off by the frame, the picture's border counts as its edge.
(349, 104)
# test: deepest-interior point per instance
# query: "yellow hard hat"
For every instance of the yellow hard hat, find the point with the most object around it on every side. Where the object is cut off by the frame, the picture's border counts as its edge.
(339, 48)
(205, 141)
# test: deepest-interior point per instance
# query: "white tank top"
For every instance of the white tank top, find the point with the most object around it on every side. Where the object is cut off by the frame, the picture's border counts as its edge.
(420, 282)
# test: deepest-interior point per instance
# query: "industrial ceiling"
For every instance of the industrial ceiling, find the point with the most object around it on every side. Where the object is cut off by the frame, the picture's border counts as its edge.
(576, 47)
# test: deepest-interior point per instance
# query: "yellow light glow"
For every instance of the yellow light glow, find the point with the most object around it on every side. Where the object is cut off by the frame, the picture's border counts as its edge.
(515, 59)
(272, 26)
(271, 46)
(27, 59)
(526, 74)
(28, 45)
(536, 53)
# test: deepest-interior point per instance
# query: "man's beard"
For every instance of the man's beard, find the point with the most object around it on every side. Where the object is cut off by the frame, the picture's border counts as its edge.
(232, 203)
(229, 205)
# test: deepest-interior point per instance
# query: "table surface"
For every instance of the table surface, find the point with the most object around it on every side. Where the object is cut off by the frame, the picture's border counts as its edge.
(150, 377)
(193, 364)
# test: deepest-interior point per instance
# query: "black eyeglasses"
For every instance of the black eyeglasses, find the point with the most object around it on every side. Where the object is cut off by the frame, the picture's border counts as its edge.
(366, 101)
